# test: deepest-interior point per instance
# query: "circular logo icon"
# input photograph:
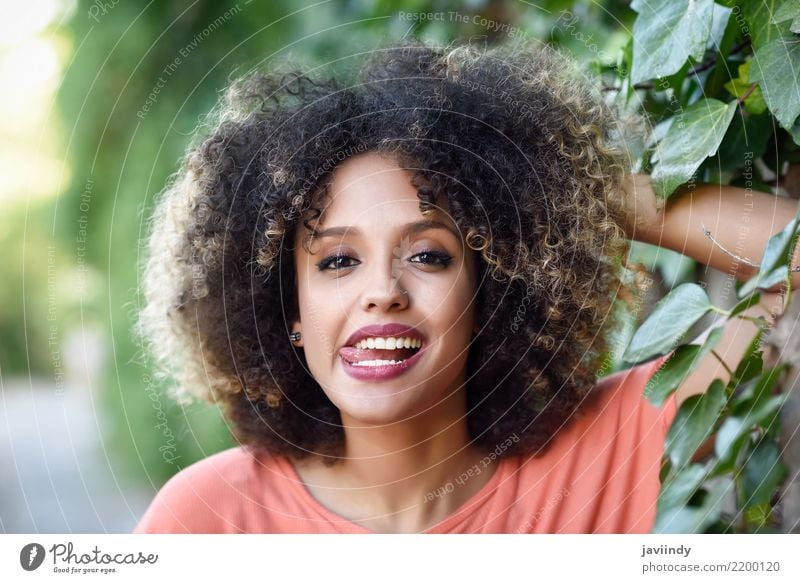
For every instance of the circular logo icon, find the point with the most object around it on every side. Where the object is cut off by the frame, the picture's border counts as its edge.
(31, 556)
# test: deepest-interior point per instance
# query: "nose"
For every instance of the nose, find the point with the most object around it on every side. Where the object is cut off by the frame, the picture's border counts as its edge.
(383, 289)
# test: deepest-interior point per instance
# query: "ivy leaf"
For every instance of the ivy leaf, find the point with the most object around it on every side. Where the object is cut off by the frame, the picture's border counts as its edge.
(719, 23)
(776, 69)
(665, 34)
(778, 246)
(726, 444)
(745, 140)
(759, 16)
(692, 138)
(694, 519)
(752, 361)
(670, 320)
(754, 103)
(758, 392)
(787, 11)
(694, 423)
(679, 490)
(762, 474)
(669, 377)
(773, 267)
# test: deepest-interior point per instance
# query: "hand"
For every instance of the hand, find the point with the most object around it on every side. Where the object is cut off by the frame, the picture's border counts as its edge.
(642, 207)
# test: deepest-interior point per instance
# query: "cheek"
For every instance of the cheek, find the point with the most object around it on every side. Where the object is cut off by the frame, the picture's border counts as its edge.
(455, 308)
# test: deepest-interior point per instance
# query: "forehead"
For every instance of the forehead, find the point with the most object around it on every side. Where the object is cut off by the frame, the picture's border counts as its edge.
(374, 187)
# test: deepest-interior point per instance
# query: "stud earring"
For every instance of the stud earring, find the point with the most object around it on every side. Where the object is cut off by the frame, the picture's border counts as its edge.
(294, 336)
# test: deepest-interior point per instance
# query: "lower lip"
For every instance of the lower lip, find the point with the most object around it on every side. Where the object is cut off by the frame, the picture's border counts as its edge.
(383, 372)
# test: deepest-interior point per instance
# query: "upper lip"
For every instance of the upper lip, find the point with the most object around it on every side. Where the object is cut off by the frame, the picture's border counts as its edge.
(384, 331)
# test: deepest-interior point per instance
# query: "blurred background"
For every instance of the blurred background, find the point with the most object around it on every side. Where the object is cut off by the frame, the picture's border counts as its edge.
(100, 98)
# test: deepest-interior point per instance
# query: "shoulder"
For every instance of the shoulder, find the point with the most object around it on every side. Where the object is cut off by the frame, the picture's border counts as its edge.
(205, 496)
(622, 397)
(616, 410)
(629, 383)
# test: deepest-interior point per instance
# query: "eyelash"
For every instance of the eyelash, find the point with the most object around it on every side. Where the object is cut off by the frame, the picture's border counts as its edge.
(443, 259)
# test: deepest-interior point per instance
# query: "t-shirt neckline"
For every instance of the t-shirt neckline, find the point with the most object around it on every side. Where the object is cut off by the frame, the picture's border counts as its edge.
(441, 527)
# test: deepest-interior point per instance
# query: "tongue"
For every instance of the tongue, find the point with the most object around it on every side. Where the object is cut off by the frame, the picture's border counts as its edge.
(352, 354)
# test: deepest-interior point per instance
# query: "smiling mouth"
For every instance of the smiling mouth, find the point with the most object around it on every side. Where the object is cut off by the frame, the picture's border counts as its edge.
(376, 356)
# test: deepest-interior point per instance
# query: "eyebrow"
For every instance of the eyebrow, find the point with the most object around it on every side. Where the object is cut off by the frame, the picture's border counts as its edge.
(409, 229)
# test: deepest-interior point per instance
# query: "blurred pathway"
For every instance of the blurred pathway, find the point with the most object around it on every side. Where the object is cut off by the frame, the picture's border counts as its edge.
(54, 477)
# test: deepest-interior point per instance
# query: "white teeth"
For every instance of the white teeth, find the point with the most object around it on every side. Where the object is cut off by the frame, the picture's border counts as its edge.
(388, 343)
(376, 362)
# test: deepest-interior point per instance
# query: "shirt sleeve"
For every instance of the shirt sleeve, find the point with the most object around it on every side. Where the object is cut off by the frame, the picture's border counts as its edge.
(195, 500)
(171, 511)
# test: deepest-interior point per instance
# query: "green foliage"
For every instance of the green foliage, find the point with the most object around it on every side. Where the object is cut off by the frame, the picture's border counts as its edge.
(775, 260)
(670, 320)
(735, 411)
(719, 82)
(659, 50)
(778, 66)
(694, 137)
(678, 367)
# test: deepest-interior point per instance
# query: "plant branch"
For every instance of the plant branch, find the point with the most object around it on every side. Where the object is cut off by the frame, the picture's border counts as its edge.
(747, 93)
(724, 364)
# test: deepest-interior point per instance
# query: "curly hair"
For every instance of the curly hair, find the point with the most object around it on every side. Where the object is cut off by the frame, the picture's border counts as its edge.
(530, 160)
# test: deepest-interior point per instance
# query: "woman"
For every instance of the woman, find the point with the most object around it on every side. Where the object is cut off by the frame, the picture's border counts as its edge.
(400, 287)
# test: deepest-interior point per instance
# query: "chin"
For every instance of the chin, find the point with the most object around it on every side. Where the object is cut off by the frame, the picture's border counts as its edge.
(374, 410)
(379, 405)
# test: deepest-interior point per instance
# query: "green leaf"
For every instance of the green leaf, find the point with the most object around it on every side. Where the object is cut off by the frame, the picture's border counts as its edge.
(776, 68)
(666, 34)
(758, 392)
(763, 472)
(733, 428)
(795, 132)
(719, 23)
(759, 15)
(745, 304)
(787, 11)
(681, 487)
(773, 267)
(765, 281)
(692, 138)
(694, 519)
(759, 519)
(777, 248)
(752, 361)
(739, 86)
(694, 423)
(671, 319)
(685, 359)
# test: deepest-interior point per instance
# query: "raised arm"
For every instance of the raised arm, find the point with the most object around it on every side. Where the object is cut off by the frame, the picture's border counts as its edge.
(739, 220)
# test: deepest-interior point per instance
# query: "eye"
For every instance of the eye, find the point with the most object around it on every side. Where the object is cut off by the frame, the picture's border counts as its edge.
(433, 258)
(338, 261)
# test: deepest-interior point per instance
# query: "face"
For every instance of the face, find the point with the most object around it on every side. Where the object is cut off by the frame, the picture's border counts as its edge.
(378, 260)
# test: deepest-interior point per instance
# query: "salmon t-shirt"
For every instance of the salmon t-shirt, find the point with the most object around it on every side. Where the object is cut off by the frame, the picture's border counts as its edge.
(600, 475)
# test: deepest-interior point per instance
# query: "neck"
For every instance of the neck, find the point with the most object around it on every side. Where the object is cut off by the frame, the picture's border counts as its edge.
(405, 477)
